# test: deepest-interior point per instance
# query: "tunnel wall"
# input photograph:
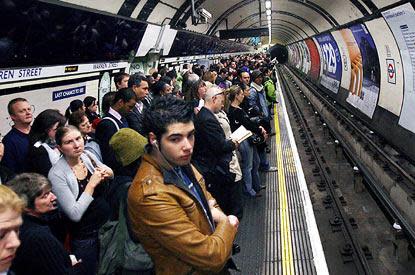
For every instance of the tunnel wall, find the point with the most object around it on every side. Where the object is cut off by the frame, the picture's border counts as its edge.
(369, 68)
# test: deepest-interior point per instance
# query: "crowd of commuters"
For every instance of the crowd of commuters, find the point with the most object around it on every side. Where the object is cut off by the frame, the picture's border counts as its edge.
(161, 146)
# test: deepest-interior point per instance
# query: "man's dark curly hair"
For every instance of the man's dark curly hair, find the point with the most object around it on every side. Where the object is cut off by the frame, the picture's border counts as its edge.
(165, 111)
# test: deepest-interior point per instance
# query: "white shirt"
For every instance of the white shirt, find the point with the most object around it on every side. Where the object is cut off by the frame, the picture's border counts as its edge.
(114, 114)
(139, 105)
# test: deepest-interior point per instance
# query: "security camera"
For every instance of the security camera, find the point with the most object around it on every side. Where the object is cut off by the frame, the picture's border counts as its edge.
(204, 13)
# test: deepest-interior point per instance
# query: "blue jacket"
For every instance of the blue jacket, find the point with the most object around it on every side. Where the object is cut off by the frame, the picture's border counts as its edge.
(258, 101)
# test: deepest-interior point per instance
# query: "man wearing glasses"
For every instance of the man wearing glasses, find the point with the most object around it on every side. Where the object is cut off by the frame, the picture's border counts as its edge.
(212, 151)
(16, 142)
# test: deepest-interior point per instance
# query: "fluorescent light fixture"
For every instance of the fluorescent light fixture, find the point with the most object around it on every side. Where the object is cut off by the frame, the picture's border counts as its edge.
(268, 4)
(205, 13)
(268, 12)
(269, 17)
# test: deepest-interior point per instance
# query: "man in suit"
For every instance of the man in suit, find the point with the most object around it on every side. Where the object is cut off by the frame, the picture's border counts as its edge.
(213, 152)
(139, 84)
(124, 102)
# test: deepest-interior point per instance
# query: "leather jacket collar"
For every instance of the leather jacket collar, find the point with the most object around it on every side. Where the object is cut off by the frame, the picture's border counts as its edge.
(171, 177)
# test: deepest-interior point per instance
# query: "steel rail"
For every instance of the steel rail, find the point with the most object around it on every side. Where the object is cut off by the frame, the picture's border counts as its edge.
(379, 150)
(360, 260)
(390, 207)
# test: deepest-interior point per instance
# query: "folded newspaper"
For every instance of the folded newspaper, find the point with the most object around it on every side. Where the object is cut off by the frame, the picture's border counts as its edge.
(241, 134)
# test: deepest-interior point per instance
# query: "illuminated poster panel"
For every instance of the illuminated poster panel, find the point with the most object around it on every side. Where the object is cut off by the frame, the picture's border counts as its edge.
(290, 56)
(320, 56)
(401, 21)
(314, 72)
(366, 99)
(294, 56)
(356, 62)
(306, 57)
(391, 76)
(344, 52)
(331, 62)
(298, 57)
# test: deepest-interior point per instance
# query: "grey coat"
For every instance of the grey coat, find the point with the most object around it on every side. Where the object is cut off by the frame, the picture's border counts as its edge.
(65, 187)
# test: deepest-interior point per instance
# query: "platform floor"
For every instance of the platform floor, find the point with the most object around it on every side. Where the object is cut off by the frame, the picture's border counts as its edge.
(278, 233)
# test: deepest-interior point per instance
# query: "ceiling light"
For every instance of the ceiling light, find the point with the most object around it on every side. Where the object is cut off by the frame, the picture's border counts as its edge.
(268, 12)
(269, 17)
(268, 4)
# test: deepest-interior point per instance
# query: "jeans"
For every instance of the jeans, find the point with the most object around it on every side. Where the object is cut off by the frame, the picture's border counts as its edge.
(250, 166)
(264, 162)
(256, 180)
(88, 251)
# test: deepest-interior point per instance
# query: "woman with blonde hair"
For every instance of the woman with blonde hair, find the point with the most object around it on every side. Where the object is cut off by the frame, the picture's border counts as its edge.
(11, 207)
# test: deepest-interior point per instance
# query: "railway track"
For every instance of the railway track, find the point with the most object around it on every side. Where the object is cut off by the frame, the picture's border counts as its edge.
(397, 174)
(352, 250)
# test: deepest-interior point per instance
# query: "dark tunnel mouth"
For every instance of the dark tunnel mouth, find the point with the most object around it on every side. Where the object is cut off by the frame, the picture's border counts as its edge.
(279, 52)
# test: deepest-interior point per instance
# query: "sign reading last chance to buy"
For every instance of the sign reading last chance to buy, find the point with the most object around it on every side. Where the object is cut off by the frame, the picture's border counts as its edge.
(57, 95)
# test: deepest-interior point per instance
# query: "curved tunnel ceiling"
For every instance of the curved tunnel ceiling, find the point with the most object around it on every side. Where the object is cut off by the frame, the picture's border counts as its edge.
(292, 20)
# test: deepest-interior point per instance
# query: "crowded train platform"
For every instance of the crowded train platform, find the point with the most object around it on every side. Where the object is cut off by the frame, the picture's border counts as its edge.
(207, 137)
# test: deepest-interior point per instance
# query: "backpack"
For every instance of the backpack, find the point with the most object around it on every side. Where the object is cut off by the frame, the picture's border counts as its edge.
(119, 253)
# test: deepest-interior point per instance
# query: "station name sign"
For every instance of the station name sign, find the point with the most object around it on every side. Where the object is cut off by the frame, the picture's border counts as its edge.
(21, 74)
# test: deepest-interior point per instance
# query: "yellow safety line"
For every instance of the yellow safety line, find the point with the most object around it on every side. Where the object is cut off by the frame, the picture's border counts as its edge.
(285, 233)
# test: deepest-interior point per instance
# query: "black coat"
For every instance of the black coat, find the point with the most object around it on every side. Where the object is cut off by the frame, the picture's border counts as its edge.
(39, 161)
(135, 120)
(104, 132)
(40, 252)
(5, 174)
(211, 149)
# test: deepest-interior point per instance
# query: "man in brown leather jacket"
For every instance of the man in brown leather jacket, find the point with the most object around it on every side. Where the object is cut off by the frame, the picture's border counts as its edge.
(171, 213)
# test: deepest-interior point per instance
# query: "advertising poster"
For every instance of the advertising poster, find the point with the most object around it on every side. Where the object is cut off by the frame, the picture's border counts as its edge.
(344, 52)
(314, 72)
(401, 21)
(306, 57)
(302, 57)
(320, 56)
(298, 57)
(366, 99)
(290, 56)
(391, 76)
(293, 56)
(331, 62)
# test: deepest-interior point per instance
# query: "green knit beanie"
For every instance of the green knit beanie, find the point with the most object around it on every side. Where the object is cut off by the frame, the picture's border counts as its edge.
(128, 145)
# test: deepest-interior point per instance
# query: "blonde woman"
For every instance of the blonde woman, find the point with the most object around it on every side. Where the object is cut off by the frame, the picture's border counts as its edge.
(11, 207)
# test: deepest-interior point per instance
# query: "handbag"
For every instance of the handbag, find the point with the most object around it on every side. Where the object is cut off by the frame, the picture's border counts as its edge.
(256, 139)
